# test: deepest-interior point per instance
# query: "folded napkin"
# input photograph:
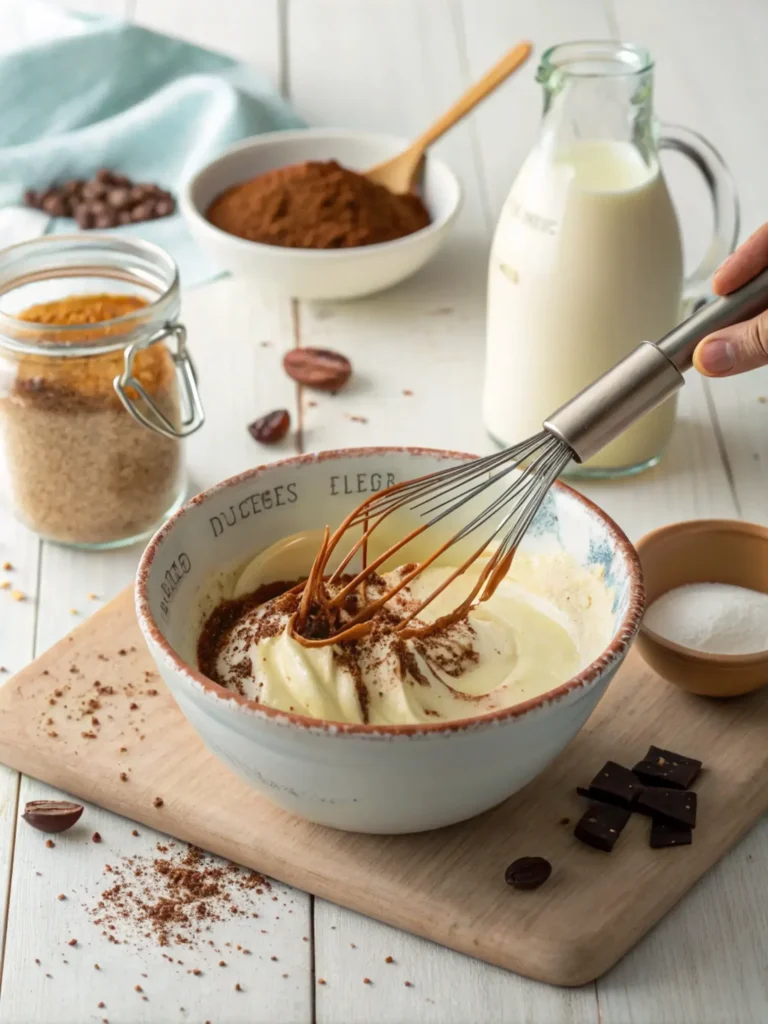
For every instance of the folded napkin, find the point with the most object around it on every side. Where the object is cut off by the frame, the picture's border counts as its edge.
(79, 92)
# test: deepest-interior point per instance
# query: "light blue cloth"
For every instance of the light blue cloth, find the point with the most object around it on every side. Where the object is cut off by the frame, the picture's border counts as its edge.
(79, 92)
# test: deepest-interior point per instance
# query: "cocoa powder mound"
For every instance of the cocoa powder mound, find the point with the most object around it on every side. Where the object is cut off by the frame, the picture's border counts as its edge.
(316, 205)
(173, 898)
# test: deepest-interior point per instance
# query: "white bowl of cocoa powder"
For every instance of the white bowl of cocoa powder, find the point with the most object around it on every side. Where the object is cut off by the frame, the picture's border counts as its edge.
(283, 209)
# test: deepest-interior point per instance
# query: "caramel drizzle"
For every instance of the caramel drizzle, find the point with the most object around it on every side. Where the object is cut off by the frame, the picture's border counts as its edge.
(315, 598)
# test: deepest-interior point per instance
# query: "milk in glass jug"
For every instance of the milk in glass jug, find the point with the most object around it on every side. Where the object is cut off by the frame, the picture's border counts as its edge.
(586, 260)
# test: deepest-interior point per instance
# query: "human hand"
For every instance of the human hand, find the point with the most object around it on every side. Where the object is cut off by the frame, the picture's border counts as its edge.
(743, 346)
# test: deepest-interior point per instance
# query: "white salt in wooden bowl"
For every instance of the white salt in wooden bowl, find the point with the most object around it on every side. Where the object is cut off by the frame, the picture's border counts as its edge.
(704, 551)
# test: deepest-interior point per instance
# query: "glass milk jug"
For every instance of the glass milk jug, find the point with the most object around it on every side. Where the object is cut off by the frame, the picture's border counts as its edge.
(586, 260)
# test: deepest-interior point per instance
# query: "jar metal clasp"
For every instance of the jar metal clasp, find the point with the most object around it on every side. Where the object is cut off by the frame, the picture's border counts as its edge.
(194, 415)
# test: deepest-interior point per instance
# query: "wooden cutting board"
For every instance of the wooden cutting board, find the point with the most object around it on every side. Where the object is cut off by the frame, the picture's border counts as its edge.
(446, 885)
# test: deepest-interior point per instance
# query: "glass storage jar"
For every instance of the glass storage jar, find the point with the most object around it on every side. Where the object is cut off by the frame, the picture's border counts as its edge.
(96, 387)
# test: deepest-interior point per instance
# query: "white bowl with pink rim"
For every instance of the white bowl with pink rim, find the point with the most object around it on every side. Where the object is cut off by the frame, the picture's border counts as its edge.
(366, 778)
(319, 273)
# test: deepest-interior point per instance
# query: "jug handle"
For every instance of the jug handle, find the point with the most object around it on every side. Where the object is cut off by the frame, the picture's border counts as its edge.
(725, 207)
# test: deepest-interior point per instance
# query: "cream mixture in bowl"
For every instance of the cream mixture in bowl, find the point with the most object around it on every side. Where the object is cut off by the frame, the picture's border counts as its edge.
(392, 732)
(545, 621)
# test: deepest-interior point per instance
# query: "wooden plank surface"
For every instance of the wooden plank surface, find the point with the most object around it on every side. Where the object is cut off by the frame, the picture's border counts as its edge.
(447, 885)
(250, 31)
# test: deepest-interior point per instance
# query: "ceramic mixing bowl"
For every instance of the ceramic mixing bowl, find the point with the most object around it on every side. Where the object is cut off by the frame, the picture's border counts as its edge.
(319, 273)
(366, 778)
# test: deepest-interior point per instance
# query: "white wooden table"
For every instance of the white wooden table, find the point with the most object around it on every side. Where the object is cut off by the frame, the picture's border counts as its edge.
(392, 65)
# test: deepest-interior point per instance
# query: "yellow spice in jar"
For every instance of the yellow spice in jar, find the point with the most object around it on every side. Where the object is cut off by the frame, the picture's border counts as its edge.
(82, 469)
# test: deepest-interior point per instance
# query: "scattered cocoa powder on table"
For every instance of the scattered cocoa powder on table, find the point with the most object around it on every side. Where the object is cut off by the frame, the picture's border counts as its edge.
(316, 205)
(174, 898)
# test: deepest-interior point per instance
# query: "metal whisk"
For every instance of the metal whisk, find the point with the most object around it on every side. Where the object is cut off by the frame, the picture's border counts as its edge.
(522, 475)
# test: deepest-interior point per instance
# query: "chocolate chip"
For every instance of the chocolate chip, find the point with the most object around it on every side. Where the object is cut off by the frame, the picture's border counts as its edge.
(271, 428)
(665, 834)
(671, 805)
(317, 368)
(601, 826)
(52, 815)
(139, 192)
(528, 872)
(121, 180)
(32, 198)
(105, 176)
(73, 187)
(664, 768)
(124, 217)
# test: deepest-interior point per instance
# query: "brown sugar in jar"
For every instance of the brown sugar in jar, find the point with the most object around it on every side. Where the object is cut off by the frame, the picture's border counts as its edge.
(82, 469)
(316, 205)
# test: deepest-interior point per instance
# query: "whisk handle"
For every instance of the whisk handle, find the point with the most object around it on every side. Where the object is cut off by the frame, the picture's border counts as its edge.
(748, 301)
(648, 375)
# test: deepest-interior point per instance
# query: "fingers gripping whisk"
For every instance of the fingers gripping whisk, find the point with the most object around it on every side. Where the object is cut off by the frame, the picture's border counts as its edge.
(341, 605)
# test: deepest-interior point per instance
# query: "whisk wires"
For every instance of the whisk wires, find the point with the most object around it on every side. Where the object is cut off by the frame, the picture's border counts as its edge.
(532, 465)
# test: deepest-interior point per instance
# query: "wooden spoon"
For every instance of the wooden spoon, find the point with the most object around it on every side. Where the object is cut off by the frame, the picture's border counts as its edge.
(398, 174)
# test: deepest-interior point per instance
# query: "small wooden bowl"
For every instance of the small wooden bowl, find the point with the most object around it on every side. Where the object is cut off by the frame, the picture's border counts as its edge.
(704, 551)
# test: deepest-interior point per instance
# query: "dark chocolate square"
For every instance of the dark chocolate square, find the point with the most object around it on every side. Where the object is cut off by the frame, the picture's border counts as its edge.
(601, 825)
(666, 833)
(665, 768)
(671, 805)
(615, 784)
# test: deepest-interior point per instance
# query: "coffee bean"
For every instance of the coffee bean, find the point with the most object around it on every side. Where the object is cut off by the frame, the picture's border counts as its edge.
(94, 190)
(52, 815)
(119, 198)
(108, 199)
(271, 428)
(528, 872)
(165, 207)
(54, 204)
(105, 220)
(317, 368)
(84, 216)
(144, 211)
